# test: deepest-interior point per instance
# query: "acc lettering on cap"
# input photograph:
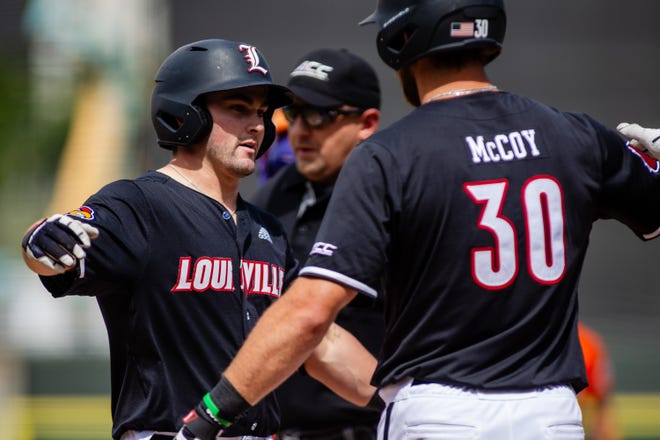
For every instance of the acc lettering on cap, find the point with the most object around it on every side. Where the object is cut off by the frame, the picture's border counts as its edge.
(313, 69)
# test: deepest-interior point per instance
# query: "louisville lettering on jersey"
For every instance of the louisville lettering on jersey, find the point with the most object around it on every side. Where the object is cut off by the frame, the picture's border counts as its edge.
(216, 274)
(516, 145)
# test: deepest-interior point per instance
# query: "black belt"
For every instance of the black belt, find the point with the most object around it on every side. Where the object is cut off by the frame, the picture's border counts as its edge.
(348, 433)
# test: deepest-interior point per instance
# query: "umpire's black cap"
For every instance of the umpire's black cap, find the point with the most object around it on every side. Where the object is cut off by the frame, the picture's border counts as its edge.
(334, 77)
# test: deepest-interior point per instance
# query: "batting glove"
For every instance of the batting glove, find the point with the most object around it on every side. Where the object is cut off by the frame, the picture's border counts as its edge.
(59, 242)
(645, 139)
(201, 424)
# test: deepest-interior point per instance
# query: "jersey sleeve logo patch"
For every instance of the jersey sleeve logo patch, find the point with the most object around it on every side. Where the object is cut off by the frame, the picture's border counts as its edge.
(651, 164)
(321, 248)
(84, 212)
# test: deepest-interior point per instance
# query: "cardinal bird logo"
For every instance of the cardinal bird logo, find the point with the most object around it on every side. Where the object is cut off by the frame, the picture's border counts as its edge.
(251, 56)
(84, 212)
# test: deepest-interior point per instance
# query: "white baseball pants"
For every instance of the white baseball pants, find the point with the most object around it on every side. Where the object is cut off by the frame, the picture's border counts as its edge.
(444, 412)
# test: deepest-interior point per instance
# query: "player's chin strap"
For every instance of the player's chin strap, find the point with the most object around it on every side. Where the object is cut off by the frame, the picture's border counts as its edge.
(645, 139)
(215, 412)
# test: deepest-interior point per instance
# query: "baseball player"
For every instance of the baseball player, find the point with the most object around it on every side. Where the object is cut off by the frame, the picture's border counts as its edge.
(336, 105)
(180, 264)
(471, 216)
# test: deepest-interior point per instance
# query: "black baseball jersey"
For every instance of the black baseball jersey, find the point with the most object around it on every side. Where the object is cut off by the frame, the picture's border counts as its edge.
(179, 285)
(476, 213)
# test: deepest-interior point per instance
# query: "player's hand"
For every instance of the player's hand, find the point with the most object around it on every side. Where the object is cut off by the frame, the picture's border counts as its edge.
(199, 425)
(645, 139)
(59, 242)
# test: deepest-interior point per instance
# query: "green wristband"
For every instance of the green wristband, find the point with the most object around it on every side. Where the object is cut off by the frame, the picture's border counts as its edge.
(224, 400)
(214, 410)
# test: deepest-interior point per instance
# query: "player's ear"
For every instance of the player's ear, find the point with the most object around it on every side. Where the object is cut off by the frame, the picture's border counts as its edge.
(369, 119)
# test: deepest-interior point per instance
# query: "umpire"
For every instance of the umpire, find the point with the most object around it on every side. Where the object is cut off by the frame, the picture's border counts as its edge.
(336, 106)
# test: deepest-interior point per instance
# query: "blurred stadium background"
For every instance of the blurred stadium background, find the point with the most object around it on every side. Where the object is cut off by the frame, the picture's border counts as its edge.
(75, 81)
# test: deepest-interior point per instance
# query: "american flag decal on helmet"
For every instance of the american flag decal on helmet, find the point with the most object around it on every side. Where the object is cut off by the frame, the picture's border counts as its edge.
(461, 29)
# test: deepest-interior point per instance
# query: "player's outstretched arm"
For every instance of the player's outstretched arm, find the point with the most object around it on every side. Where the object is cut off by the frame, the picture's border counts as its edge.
(57, 244)
(646, 139)
(344, 365)
(282, 340)
(340, 362)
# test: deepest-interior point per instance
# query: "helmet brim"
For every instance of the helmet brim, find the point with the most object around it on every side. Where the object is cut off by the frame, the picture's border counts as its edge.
(279, 96)
(371, 19)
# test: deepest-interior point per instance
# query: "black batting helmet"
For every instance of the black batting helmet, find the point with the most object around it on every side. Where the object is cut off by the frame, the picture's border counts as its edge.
(411, 29)
(202, 67)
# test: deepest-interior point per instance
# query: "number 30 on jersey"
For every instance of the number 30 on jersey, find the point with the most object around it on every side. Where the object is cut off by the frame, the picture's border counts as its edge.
(496, 267)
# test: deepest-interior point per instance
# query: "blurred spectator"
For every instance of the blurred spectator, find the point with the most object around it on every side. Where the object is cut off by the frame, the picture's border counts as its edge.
(279, 154)
(599, 415)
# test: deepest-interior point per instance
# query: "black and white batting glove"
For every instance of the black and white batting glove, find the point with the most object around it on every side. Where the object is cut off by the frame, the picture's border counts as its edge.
(202, 422)
(646, 140)
(59, 243)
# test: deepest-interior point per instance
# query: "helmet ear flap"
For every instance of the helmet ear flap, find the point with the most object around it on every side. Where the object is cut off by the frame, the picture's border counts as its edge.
(204, 121)
(269, 133)
(179, 124)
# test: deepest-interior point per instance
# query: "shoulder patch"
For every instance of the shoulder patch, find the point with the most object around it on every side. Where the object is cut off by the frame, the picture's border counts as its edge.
(84, 212)
(651, 164)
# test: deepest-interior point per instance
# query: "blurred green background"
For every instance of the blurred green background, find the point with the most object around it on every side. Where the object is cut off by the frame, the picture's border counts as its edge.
(75, 83)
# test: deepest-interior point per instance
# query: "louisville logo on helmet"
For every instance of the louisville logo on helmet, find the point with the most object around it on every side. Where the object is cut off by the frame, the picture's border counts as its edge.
(251, 56)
